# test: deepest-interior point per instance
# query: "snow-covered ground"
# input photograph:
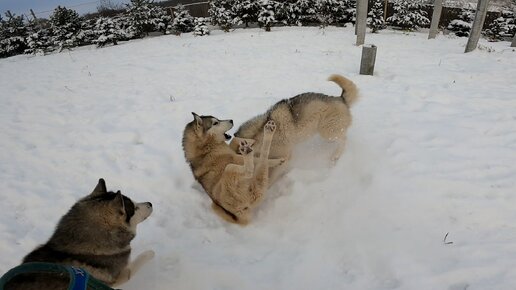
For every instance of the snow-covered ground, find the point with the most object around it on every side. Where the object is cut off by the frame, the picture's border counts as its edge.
(432, 151)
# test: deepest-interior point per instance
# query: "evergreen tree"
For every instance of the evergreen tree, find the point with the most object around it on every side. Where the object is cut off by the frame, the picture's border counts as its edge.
(503, 27)
(266, 16)
(38, 37)
(289, 13)
(308, 11)
(12, 35)
(333, 12)
(144, 17)
(107, 31)
(65, 25)
(462, 26)
(183, 21)
(201, 27)
(375, 16)
(222, 14)
(408, 15)
(246, 11)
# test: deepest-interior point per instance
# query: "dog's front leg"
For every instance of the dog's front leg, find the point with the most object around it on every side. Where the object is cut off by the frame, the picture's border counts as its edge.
(248, 168)
(134, 267)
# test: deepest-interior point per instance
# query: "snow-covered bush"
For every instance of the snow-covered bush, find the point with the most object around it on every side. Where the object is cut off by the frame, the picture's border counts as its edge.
(144, 17)
(409, 15)
(201, 26)
(66, 28)
(333, 12)
(38, 37)
(246, 10)
(307, 11)
(375, 16)
(503, 27)
(222, 14)
(107, 31)
(12, 35)
(183, 22)
(266, 16)
(462, 26)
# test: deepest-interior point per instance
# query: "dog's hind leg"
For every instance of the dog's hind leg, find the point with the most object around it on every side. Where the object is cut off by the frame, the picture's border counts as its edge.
(134, 267)
(261, 174)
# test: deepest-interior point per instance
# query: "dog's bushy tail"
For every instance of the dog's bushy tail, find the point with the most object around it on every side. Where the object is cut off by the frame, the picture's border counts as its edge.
(349, 89)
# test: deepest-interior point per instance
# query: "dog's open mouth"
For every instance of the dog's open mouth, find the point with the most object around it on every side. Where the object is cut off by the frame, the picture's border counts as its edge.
(227, 136)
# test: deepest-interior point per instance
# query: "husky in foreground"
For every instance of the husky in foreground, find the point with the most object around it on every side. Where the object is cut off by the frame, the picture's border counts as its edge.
(300, 118)
(94, 235)
(233, 181)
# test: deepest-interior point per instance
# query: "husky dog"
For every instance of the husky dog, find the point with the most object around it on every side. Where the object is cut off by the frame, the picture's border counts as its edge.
(300, 118)
(94, 235)
(233, 182)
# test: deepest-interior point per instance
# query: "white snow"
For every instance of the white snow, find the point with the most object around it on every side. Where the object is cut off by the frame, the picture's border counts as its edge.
(432, 151)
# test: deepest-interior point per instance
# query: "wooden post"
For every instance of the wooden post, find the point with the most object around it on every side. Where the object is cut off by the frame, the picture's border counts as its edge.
(368, 59)
(356, 16)
(478, 23)
(361, 21)
(436, 16)
(385, 10)
(513, 44)
(33, 14)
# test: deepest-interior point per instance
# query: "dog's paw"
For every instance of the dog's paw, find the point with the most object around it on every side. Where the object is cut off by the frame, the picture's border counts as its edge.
(244, 148)
(270, 126)
(146, 256)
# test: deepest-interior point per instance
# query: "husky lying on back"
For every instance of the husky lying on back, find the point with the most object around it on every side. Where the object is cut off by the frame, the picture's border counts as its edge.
(301, 117)
(232, 181)
(94, 235)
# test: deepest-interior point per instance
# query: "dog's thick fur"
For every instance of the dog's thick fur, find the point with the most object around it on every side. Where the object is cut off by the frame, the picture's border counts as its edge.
(300, 118)
(94, 235)
(234, 183)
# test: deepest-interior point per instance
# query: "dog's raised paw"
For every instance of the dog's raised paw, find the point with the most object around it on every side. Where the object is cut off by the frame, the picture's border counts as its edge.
(245, 148)
(270, 126)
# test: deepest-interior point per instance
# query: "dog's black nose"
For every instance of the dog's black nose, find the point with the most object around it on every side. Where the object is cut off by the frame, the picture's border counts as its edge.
(231, 121)
(149, 204)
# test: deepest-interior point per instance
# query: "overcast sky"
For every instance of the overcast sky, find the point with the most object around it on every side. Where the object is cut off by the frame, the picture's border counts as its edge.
(23, 6)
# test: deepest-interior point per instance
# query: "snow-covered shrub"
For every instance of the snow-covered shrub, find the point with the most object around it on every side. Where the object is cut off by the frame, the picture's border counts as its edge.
(38, 37)
(503, 27)
(183, 22)
(333, 12)
(289, 13)
(144, 17)
(266, 16)
(375, 16)
(65, 26)
(409, 15)
(107, 31)
(462, 26)
(246, 10)
(307, 11)
(201, 26)
(12, 35)
(222, 14)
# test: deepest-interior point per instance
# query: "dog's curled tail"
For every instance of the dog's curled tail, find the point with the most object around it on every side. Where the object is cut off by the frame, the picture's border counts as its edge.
(349, 89)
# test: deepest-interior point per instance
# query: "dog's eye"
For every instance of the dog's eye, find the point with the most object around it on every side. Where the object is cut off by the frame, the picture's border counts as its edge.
(215, 123)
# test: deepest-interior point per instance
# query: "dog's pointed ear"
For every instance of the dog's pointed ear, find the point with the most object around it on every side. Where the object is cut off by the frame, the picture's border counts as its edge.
(100, 189)
(119, 202)
(197, 119)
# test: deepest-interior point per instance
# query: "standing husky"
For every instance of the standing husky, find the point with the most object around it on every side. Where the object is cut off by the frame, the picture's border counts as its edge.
(300, 118)
(232, 181)
(94, 235)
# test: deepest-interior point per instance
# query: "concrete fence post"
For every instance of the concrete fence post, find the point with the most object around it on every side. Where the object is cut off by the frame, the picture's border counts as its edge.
(368, 59)
(361, 21)
(436, 16)
(478, 23)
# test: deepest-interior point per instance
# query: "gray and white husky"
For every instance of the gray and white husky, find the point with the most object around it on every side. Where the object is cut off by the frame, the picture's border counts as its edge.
(94, 235)
(300, 118)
